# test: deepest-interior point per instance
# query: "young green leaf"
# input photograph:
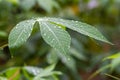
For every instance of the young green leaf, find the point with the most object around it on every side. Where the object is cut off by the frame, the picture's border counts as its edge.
(55, 36)
(116, 55)
(20, 33)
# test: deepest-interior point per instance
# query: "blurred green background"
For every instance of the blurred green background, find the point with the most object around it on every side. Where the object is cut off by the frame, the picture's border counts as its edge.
(86, 54)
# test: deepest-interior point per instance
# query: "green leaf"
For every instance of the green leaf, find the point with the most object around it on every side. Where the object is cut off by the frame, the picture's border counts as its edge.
(20, 33)
(52, 57)
(47, 72)
(56, 37)
(114, 77)
(115, 62)
(81, 27)
(77, 54)
(9, 73)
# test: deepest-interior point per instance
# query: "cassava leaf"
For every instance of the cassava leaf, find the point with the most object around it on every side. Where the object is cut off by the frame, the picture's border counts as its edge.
(20, 33)
(56, 37)
(52, 32)
(81, 27)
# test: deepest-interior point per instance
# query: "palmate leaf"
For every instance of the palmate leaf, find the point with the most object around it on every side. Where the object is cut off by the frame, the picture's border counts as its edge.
(52, 32)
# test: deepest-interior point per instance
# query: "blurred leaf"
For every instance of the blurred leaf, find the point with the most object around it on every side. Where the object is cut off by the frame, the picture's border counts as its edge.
(77, 44)
(115, 62)
(52, 57)
(48, 5)
(13, 1)
(117, 55)
(3, 34)
(50, 68)
(56, 37)
(27, 4)
(71, 64)
(33, 70)
(20, 33)
(98, 71)
(3, 78)
(47, 72)
(116, 78)
(77, 54)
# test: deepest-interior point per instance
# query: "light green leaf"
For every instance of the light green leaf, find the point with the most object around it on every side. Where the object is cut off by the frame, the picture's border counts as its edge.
(20, 33)
(50, 68)
(33, 70)
(81, 27)
(3, 78)
(117, 55)
(56, 37)
(115, 62)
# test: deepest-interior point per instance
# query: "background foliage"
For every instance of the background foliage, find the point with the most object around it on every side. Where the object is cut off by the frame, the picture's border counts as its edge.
(87, 55)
